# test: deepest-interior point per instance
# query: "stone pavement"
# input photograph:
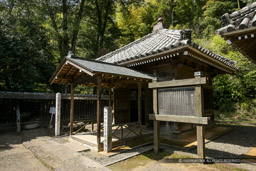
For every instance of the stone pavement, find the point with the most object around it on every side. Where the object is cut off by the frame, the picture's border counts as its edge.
(58, 153)
(35, 150)
(14, 156)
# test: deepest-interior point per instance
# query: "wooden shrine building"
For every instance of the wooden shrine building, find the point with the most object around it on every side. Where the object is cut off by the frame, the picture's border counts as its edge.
(239, 30)
(169, 74)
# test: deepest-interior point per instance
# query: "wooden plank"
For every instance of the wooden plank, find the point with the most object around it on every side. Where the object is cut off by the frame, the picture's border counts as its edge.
(139, 107)
(181, 119)
(98, 110)
(71, 110)
(177, 83)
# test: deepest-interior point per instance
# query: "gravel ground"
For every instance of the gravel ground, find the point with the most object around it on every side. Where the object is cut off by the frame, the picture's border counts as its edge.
(232, 145)
(105, 160)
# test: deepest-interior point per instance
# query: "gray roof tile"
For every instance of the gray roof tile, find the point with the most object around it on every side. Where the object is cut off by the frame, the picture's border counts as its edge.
(238, 20)
(159, 41)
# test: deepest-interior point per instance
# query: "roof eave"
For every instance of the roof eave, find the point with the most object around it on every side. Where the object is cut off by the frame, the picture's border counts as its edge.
(175, 50)
(238, 32)
(59, 67)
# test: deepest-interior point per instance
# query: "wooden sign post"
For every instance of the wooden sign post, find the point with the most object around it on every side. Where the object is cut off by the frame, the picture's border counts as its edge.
(198, 118)
(199, 113)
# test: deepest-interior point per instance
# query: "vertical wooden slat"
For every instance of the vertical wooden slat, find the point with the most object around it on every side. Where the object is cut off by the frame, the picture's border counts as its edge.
(139, 107)
(71, 109)
(98, 111)
(200, 128)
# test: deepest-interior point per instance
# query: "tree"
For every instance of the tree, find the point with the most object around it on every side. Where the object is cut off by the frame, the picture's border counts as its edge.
(26, 57)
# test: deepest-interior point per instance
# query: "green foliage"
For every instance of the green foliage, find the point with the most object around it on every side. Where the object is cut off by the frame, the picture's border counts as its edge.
(26, 60)
(234, 93)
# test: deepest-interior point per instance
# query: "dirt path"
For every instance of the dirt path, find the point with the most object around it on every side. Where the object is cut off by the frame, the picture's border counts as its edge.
(14, 156)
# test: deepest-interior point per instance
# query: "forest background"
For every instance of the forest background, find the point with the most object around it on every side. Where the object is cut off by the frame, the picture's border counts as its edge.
(36, 34)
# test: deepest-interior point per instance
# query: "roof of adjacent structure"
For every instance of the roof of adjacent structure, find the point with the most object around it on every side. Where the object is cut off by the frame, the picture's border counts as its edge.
(157, 42)
(102, 67)
(73, 67)
(238, 20)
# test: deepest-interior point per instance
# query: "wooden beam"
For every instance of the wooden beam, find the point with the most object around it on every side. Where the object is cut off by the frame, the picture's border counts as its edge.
(181, 119)
(80, 68)
(71, 110)
(139, 107)
(177, 83)
(98, 111)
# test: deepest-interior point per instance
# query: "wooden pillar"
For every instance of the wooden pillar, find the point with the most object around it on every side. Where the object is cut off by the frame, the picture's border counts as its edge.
(109, 97)
(98, 111)
(18, 116)
(200, 128)
(71, 109)
(113, 107)
(139, 107)
(146, 106)
(156, 123)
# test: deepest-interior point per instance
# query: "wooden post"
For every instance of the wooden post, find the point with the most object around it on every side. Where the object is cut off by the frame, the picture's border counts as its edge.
(71, 109)
(98, 111)
(109, 100)
(109, 97)
(113, 107)
(18, 116)
(139, 107)
(57, 114)
(199, 113)
(156, 123)
(146, 106)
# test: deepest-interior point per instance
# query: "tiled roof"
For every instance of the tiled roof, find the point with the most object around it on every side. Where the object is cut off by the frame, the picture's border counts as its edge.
(238, 20)
(159, 41)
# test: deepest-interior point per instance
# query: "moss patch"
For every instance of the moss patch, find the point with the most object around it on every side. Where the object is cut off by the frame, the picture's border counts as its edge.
(149, 158)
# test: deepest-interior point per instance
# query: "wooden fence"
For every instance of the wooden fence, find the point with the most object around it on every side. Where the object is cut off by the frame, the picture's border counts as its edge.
(36, 106)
